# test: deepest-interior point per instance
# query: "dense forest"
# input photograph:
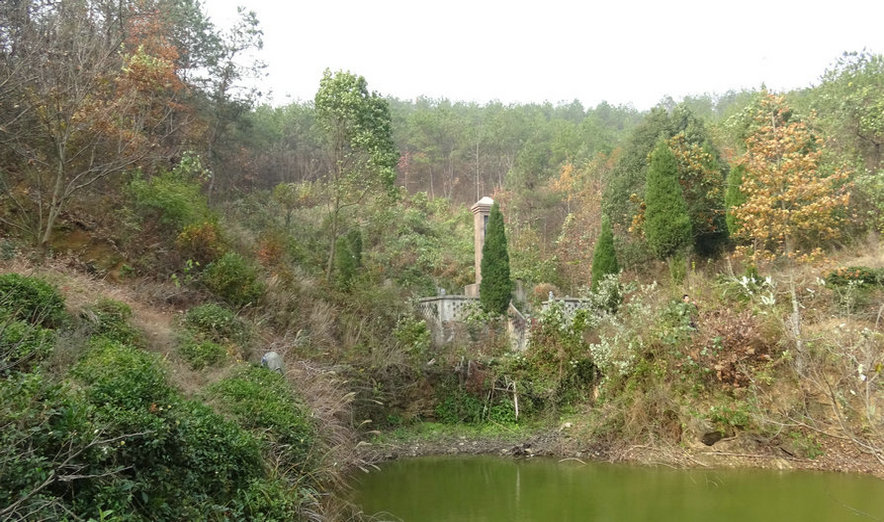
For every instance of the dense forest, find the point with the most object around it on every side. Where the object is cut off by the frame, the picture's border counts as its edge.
(161, 229)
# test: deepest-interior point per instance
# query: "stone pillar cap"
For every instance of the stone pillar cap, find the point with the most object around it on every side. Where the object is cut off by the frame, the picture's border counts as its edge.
(483, 204)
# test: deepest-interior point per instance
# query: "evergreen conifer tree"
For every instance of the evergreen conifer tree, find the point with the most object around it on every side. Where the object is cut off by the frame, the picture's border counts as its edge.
(496, 287)
(667, 223)
(604, 259)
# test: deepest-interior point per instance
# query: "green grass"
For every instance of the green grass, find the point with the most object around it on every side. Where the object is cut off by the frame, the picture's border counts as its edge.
(435, 431)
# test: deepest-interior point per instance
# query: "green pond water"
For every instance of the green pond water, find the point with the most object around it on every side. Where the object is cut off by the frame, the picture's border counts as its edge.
(492, 489)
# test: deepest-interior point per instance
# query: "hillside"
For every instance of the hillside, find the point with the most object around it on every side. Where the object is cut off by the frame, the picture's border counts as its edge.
(160, 232)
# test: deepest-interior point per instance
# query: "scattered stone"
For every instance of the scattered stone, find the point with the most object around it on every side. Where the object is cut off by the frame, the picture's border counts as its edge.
(272, 361)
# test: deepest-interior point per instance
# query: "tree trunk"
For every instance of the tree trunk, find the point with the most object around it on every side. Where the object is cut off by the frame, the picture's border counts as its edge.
(329, 269)
(795, 323)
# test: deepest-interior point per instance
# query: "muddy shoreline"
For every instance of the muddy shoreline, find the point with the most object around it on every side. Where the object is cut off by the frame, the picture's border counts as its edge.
(735, 452)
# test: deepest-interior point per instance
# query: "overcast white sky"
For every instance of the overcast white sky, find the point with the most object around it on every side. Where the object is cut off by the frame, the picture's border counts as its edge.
(619, 51)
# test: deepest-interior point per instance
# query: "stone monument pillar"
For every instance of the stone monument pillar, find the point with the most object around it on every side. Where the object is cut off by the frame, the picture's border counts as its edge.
(481, 210)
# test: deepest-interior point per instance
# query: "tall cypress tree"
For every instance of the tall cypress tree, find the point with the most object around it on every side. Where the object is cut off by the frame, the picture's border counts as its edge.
(667, 223)
(496, 287)
(604, 259)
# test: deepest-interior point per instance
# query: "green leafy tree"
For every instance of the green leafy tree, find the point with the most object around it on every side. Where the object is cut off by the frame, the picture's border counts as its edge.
(361, 156)
(604, 258)
(496, 287)
(630, 173)
(667, 223)
(850, 102)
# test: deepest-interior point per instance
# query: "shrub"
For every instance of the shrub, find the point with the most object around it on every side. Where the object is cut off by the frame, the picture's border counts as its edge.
(214, 322)
(727, 417)
(30, 299)
(213, 455)
(110, 319)
(607, 296)
(202, 242)
(859, 275)
(348, 257)
(173, 199)
(556, 366)
(22, 345)
(44, 423)
(232, 279)
(122, 376)
(457, 406)
(261, 401)
(186, 462)
(412, 335)
(266, 499)
(200, 354)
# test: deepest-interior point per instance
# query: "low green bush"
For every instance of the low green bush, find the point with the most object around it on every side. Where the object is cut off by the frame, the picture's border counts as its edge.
(262, 401)
(178, 459)
(266, 499)
(44, 424)
(234, 280)
(122, 376)
(200, 354)
(114, 440)
(173, 199)
(413, 335)
(557, 368)
(213, 455)
(31, 299)
(23, 345)
(859, 275)
(456, 406)
(216, 323)
(109, 318)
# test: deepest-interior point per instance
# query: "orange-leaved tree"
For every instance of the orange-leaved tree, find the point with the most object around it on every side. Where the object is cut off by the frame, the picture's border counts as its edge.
(581, 188)
(794, 203)
(76, 110)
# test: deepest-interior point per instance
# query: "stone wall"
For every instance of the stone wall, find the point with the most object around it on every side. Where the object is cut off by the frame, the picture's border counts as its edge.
(569, 304)
(445, 315)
